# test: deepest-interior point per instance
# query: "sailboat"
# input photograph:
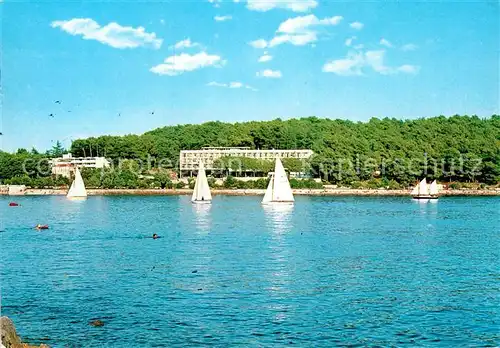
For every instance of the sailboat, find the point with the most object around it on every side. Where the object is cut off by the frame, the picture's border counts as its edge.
(421, 191)
(278, 190)
(433, 190)
(77, 189)
(201, 193)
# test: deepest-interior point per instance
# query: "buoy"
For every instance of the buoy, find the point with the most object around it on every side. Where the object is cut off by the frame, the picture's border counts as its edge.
(96, 323)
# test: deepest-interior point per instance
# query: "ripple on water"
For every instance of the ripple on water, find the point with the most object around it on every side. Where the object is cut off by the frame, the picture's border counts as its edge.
(328, 271)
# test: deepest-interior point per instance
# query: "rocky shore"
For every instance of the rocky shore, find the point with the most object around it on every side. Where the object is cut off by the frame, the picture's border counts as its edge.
(253, 192)
(10, 339)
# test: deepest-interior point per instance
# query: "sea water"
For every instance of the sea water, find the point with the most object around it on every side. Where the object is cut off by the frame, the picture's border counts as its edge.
(329, 271)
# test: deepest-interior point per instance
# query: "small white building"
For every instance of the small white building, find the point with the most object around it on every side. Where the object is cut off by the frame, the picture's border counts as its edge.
(66, 164)
(17, 190)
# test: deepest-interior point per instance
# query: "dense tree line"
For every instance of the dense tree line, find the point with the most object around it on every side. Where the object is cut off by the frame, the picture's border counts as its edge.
(24, 166)
(381, 151)
(126, 178)
(457, 148)
(23, 163)
(233, 164)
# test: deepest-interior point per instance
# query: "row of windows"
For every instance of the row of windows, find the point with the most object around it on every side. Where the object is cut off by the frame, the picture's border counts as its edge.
(244, 153)
(250, 155)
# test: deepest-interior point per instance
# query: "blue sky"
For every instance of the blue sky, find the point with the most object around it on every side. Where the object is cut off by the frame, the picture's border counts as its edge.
(112, 64)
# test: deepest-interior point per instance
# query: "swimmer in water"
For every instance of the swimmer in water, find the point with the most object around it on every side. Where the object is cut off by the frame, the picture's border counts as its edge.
(155, 236)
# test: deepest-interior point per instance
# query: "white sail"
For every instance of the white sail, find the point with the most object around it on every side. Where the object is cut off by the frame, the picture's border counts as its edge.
(422, 188)
(414, 192)
(201, 193)
(279, 189)
(433, 190)
(77, 188)
(268, 197)
(282, 191)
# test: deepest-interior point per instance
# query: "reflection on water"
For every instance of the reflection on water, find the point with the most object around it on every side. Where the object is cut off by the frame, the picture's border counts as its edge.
(76, 199)
(428, 207)
(202, 216)
(329, 271)
(279, 216)
(421, 201)
(279, 221)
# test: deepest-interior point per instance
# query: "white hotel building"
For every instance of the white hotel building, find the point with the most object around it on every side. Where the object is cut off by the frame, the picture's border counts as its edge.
(189, 159)
(66, 164)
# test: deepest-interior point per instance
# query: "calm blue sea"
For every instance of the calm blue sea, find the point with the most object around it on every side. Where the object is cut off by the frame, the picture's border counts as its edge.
(339, 271)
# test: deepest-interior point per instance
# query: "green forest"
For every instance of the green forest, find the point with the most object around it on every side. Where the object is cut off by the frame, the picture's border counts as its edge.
(390, 152)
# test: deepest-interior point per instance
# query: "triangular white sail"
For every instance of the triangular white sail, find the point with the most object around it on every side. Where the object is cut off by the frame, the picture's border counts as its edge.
(279, 189)
(422, 188)
(268, 196)
(201, 193)
(77, 188)
(414, 192)
(282, 191)
(433, 189)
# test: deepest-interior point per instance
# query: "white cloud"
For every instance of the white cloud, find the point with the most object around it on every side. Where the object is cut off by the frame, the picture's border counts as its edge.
(293, 5)
(265, 58)
(176, 65)
(217, 84)
(111, 34)
(409, 69)
(357, 25)
(356, 62)
(385, 43)
(261, 43)
(216, 3)
(301, 24)
(297, 40)
(270, 73)
(223, 18)
(231, 85)
(351, 65)
(187, 43)
(298, 31)
(375, 59)
(409, 47)
(348, 42)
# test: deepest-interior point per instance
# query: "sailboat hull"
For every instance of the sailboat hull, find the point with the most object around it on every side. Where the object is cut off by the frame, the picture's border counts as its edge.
(278, 203)
(425, 197)
(201, 202)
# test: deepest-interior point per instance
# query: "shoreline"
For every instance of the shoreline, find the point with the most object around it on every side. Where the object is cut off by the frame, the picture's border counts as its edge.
(255, 192)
